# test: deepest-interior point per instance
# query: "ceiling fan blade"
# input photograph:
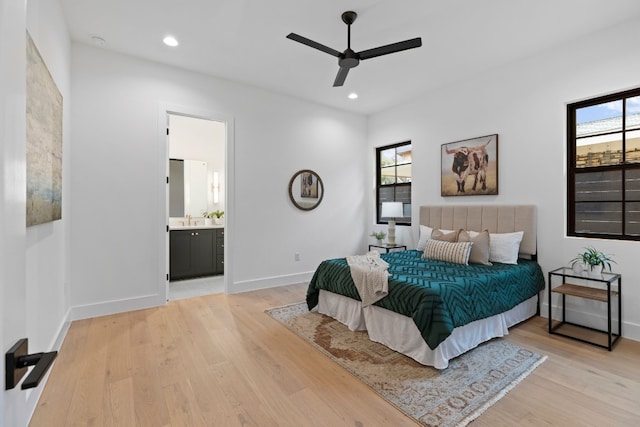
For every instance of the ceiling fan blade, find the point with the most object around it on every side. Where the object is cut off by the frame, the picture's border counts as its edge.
(315, 45)
(341, 77)
(390, 48)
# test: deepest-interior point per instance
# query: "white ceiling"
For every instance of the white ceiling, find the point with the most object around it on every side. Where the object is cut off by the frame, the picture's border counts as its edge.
(245, 40)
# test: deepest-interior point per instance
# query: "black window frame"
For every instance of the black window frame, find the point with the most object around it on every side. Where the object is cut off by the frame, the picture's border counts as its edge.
(623, 167)
(404, 186)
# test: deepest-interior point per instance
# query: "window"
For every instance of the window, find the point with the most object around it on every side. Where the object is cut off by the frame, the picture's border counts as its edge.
(393, 179)
(603, 182)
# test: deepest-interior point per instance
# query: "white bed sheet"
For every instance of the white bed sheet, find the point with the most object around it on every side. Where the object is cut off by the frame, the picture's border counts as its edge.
(400, 333)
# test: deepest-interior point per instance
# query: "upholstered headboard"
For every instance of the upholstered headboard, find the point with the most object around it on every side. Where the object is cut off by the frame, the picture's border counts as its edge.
(495, 218)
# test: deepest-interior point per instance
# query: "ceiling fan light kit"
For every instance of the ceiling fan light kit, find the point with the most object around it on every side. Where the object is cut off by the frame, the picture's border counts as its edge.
(350, 59)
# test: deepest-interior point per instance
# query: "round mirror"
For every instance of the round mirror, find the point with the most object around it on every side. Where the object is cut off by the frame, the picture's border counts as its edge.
(306, 190)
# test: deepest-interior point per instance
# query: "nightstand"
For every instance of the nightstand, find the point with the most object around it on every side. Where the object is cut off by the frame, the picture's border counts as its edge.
(389, 248)
(610, 287)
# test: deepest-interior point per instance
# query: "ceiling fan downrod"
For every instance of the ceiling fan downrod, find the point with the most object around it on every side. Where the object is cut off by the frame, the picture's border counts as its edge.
(349, 18)
(348, 59)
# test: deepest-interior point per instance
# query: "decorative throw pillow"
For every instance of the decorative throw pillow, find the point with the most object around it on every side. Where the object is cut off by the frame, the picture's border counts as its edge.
(504, 247)
(481, 245)
(445, 235)
(456, 252)
(425, 234)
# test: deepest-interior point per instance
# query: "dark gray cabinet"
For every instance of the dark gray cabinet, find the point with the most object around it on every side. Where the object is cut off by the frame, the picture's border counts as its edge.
(196, 252)
(219, 251)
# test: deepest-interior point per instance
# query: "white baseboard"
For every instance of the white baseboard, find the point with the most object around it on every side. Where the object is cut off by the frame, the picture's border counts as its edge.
(116, 306)
(269, 282)
(148, 301)
(56, 344)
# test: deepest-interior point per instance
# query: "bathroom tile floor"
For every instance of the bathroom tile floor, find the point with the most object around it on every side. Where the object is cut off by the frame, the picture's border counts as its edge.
(182, 289)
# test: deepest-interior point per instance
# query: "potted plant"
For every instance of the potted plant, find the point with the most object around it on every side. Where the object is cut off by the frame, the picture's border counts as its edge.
(593, 260)
(379, 235)
(218, 216)
(207, 218)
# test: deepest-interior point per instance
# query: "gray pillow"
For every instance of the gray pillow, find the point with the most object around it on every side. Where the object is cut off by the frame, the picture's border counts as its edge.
(451, 236)
(480, 250)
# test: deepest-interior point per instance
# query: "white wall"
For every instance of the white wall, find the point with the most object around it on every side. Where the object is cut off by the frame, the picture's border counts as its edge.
(33, 264)
(116, 229)
(525, 103)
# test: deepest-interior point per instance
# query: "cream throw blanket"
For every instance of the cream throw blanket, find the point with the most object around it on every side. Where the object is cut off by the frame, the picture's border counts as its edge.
(370, 275)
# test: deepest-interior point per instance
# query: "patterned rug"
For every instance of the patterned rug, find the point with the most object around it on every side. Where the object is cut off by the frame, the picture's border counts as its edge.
(450, 397)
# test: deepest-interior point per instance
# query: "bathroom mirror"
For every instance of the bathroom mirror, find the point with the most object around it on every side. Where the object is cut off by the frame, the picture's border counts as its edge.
(187, 187)
(306, 189)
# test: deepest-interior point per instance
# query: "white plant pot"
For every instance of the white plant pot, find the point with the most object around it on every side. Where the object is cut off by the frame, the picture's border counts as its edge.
(208, 221)
(594, 271)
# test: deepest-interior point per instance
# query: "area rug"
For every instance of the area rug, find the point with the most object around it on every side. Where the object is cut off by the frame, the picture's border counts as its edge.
(453, 396)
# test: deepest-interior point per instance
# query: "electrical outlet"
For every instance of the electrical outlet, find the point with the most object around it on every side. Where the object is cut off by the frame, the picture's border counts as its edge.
(296, 256)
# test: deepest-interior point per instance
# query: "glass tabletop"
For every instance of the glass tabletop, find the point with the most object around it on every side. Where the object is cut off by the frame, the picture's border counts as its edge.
(605, 276)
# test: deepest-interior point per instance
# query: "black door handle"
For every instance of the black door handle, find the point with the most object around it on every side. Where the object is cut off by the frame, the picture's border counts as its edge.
(16, 361)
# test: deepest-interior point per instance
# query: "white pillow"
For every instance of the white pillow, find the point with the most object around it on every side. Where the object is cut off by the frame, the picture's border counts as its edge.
(425, 234)
(504, 247)
(456, 252)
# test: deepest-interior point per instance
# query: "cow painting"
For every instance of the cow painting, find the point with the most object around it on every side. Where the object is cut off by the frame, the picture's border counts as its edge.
(469, 159)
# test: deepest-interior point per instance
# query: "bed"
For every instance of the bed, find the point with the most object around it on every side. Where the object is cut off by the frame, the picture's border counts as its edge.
(436, 310)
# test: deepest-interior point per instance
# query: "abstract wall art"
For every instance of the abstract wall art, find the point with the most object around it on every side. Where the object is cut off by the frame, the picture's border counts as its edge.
(44, 141)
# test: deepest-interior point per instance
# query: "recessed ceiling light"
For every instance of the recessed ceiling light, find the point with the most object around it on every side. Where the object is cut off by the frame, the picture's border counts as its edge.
(353, 95)
(170, 41)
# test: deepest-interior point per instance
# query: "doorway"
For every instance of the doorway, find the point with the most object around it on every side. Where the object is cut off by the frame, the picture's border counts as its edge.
(199, 144)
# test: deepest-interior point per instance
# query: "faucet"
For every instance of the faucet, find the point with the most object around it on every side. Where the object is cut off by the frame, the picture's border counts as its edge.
(189, 219)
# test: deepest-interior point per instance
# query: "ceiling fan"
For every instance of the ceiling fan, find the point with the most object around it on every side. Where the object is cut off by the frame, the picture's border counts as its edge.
(350, 59)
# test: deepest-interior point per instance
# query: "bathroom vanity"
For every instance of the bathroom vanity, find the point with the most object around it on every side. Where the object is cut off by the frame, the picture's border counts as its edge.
(196, 251)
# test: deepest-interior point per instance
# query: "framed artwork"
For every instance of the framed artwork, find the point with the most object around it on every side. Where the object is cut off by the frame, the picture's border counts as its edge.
(469, 167)
(309, 185)
(44, 141)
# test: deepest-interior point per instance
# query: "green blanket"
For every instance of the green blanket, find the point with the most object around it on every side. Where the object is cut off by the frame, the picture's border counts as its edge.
(439, 296)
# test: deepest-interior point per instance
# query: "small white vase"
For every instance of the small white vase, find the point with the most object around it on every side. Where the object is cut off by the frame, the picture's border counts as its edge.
(578, 267)
(595, 271)
(208, 221)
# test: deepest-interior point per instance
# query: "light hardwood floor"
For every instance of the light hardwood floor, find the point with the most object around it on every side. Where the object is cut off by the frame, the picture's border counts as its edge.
(219, 360)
